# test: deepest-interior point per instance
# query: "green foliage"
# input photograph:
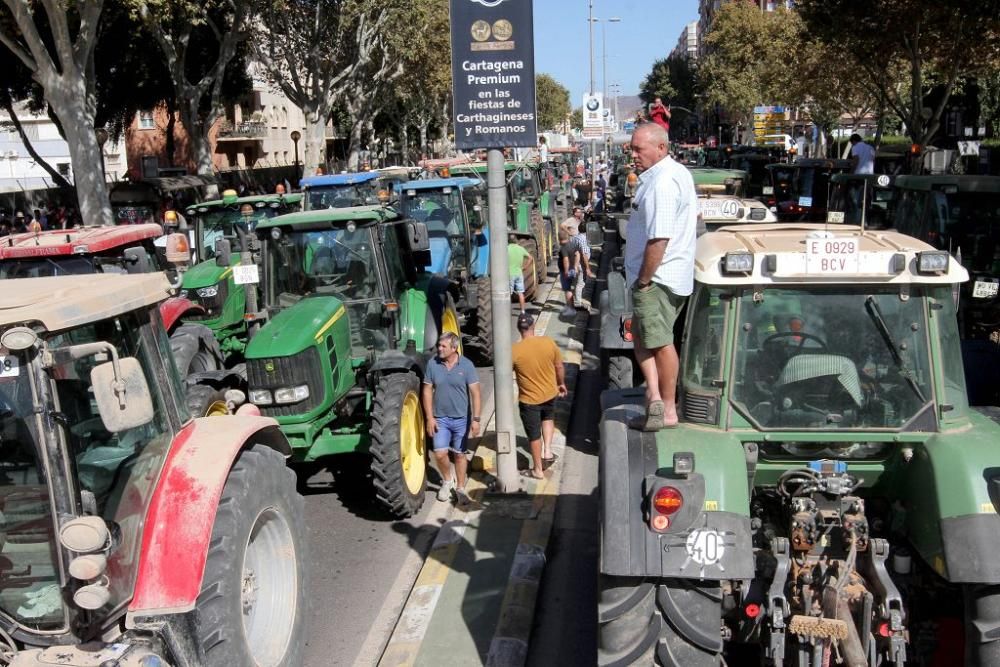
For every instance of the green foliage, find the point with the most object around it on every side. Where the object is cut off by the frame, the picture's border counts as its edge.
(672, 79)
(552, 102)
(576, 118)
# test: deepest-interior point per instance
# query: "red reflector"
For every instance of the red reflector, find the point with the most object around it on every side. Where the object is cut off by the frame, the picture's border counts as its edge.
(660, 522)
(883, 629)
(627, 329)
(752, 610)
(667, 500)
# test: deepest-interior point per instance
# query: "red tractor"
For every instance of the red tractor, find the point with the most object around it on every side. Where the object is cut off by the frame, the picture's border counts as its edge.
(132, 534)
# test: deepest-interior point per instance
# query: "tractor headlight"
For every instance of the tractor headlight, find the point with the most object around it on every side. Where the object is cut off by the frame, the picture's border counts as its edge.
(291, 394)
(208, 292)
(738, 262)
(183, 293)
(932, 262)
(261, 397)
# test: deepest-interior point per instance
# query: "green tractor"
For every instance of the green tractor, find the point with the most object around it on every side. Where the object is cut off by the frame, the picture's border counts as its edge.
(352, 318)
(828, 497)
(223, 240)
(525, 218)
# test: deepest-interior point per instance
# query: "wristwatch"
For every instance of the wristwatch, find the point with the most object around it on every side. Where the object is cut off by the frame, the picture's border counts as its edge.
(476, 419)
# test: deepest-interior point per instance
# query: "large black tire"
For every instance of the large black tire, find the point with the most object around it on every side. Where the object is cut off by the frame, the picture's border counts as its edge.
(252, 606)
(621, 371)
(982, 609)
(675, 623)
(484, 317)
(195, 349)
(398, 445)
(205, 401)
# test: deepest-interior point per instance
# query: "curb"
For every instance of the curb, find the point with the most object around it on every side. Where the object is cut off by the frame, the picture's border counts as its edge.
(509, 645)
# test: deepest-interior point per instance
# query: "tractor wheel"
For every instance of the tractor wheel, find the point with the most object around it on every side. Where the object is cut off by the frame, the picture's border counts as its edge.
(205, 401)
(621, 371)
(398, 444)
(982, 609)
(449, 321)
(195, 349)
(531, 276)
(484, 317)
(253, 597)
(676, 622)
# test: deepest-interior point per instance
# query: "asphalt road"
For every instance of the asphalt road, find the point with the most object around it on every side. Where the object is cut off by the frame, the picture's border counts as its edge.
(363, 561)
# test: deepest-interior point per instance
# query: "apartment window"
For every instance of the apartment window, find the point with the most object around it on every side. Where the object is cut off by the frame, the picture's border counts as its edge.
(146, 120)
(284, 117)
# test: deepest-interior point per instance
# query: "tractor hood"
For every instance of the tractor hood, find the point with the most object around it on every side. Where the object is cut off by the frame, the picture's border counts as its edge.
(206, 274)
(296, 328)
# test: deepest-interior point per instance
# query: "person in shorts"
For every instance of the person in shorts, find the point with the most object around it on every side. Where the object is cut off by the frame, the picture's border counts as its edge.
(515, 260)
(569, 266)
(541, 378)
(659, 265)
(450, 389)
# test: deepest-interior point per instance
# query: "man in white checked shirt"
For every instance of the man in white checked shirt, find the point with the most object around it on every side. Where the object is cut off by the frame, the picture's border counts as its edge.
(659, 265)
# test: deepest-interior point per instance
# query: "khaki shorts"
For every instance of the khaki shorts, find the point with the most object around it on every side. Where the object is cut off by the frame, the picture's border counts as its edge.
(654, 311)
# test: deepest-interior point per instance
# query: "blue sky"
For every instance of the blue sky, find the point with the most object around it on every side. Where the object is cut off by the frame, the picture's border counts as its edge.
(648, 31)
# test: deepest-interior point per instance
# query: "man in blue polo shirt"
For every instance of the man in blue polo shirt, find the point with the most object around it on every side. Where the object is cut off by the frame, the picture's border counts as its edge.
(450, 381)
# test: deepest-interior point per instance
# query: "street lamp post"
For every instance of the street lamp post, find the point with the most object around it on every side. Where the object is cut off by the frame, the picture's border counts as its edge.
(102, 138)
(295, 136)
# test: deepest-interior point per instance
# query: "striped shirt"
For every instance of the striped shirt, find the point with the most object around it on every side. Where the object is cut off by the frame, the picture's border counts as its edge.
(665, 207)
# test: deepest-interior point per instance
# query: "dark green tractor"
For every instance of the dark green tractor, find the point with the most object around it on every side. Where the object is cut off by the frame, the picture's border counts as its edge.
(861, 199)
(215, 282)
(352, 318)
(828, 496)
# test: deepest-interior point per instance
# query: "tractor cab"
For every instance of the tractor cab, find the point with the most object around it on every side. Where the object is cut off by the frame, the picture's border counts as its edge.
(223, 240)
(722, 200)
(754, 164)
(861, 199)
(801, 189)
(961, 215)
(344, 190)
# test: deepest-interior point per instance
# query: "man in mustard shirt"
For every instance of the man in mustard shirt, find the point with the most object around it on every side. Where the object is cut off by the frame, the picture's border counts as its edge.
(541, 378)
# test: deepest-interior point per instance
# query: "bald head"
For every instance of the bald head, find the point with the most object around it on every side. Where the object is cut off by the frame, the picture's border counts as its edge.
(649, 145)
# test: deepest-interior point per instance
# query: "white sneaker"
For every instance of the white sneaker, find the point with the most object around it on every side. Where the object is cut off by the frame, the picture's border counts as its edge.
(444, 493)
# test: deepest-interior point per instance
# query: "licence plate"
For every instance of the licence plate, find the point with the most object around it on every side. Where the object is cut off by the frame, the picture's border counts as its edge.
(768, 190)
(9, 366)
(719, 208)
(245, 274)
(805, 201)
(985, 290)
(831, 255)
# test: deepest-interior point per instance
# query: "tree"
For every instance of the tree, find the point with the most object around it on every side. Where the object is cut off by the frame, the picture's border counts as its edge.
(672, 79)
(55, 41)
(576, 118)
(657, 83)
(552, 102)
(200, 40)
(314, 53)
(935, 43)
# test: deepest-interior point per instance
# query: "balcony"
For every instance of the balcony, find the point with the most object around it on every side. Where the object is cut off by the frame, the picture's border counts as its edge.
(247, 130)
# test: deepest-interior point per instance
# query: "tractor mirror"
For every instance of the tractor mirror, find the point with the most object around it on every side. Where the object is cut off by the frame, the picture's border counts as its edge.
(137, 260)
(223, 252)
(417, 239)
(121, 394)
(595, 233)
(178, 249)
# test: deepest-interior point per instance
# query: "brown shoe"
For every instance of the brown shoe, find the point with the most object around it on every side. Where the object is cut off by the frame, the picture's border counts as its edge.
(652, 420)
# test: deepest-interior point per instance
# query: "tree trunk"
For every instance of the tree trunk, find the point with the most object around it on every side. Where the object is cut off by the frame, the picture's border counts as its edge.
(78, 124)
(201, 149)
(314, 154)
(404, 135)
(354, 145)
(424, 123)
(171, 147)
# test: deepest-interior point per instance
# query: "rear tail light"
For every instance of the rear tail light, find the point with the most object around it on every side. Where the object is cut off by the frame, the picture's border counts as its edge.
(627, 329)
(665, 502)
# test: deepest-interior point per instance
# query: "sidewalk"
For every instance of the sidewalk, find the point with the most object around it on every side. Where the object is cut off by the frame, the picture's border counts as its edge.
(473, 601)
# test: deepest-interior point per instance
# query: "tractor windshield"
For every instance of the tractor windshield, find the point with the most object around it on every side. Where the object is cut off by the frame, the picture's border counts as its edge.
(29, 575)
(342, 196)
(832, 358)
(441, 210)
(48, 266)
(523, 184)
(960, 222)
(338, 262)
(222, 223)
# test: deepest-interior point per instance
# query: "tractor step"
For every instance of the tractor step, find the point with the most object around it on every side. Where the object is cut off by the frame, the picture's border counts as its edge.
(817, 628)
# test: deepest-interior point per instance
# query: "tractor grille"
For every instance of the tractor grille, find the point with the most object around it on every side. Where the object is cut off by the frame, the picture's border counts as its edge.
(701, 408)
(301, 368)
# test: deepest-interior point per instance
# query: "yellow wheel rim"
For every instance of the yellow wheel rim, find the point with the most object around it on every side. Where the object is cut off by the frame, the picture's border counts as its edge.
(411, 443)
(216, 408)
(449, 324)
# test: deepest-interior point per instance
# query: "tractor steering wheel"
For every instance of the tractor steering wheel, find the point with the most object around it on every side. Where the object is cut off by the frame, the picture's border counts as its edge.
(800, 334)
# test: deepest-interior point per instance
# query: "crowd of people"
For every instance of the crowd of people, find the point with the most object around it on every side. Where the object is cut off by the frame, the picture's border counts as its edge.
(49, 216)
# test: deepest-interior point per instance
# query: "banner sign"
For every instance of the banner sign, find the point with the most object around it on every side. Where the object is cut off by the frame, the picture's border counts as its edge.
(493, 73)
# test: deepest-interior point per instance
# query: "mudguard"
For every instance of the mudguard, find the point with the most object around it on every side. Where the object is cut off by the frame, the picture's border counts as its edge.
(631, 462)
(393, 360)
(176, 307)
(615, 304)
(182, 509)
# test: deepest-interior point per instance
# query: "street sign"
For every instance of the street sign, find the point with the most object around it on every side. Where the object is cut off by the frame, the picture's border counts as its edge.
(629, 126)
(493, 73)
(593, 114)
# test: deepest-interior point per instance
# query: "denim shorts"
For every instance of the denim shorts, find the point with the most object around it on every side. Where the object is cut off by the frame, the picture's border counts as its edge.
(517, 284)
(566, 280)
(452, 433)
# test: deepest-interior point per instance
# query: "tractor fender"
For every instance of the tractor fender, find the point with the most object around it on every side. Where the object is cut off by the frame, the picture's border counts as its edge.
(176, 307)
(632, 463)
(182, 509)
(393, 361)
(615, 303)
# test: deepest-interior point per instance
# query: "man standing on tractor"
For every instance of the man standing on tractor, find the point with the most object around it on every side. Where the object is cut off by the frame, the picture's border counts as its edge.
(449, 383)
(515, 258)
(541, 379)
(659, 265)
(863, 155)
(660, 114)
